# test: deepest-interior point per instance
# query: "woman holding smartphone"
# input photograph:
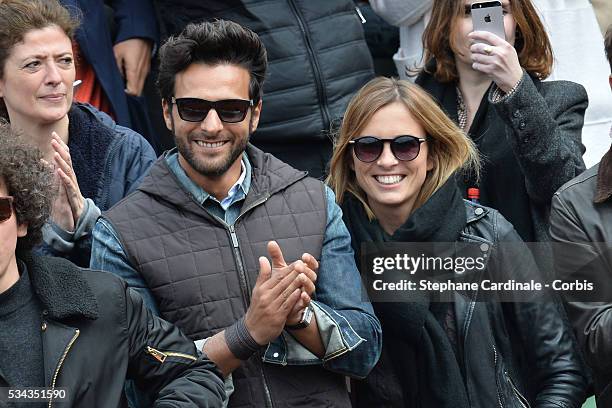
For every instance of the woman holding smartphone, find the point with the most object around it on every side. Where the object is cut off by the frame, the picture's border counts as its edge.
(527, 131)
(393, 171)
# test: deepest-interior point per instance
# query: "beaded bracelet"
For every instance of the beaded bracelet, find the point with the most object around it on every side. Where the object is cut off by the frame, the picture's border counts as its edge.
(499, 95)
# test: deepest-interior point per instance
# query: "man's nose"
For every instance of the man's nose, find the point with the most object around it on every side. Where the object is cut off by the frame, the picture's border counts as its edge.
(212, 123)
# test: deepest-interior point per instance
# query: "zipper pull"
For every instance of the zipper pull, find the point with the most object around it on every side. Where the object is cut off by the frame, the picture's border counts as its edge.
(158, 355)
(361, 17)
(234, 237)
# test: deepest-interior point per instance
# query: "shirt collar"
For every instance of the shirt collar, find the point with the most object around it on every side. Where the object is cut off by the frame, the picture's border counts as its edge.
(237, 192)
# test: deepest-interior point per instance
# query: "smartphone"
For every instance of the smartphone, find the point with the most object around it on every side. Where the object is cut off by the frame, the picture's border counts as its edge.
(489, 16)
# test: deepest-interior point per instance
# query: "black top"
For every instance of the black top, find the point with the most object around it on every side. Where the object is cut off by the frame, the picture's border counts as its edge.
(502, 181)
(421, 333)
(20, 340)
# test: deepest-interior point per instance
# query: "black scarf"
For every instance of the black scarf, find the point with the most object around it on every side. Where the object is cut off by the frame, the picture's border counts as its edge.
(89, 141)
(415, 346)
(440, 219)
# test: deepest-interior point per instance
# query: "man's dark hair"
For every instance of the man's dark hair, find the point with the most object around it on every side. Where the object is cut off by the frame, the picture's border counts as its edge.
(213, 43)
(608, 43)
(30, 183)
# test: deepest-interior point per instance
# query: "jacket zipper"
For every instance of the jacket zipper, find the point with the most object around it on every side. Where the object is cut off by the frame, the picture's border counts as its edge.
(242, 275)
(266, 389)
(59, 364)
(107, 174)
(315, 66)
(162, 355)
(244, 283)
(360, 14)
(497, 388)
(522, 400)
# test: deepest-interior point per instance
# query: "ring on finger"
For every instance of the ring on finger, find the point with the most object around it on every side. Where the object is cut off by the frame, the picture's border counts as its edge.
(488, 50)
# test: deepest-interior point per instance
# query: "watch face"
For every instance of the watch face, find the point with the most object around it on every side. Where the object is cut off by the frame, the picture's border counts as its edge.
(307, 316)
(304, 321)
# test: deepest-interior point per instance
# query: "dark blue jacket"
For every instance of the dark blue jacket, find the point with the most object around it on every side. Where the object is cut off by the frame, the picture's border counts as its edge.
(127, 159)
(133, 19)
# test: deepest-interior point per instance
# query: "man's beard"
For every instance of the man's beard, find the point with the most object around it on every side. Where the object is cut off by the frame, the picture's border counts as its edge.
(210, 168)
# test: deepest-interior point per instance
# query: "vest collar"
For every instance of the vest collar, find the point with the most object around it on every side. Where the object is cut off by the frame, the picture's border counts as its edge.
(269, 176)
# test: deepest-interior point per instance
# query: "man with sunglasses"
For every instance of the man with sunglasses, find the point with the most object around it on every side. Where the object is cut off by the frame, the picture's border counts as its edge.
(68, 336)
(194, 237)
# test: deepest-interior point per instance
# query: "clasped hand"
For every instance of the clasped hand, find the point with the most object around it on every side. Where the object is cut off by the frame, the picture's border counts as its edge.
(69, 202)
(281, 293)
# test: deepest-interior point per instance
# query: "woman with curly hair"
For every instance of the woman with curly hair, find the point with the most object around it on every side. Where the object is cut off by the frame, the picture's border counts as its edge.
(393, 171)
(527, 131)
(96, 162)
(72, 329)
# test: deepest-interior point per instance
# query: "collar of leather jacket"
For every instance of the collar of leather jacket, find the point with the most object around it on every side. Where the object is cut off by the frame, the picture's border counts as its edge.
(604, 179)
(60, 287)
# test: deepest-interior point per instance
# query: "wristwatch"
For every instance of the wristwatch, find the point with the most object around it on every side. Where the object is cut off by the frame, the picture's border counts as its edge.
(304, 321)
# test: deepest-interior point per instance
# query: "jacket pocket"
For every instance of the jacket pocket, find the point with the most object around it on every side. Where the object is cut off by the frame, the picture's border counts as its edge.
(522, 400)
(508, 394)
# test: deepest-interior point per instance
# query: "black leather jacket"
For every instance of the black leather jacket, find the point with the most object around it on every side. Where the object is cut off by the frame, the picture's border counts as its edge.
(528, 347)
(96, 333)
(581, 228)
(510, 354)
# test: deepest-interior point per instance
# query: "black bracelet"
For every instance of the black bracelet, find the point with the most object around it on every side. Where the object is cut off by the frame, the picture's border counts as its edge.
(240, 342)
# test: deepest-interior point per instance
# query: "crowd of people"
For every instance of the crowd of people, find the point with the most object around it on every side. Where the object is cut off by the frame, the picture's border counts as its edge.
(229, 270)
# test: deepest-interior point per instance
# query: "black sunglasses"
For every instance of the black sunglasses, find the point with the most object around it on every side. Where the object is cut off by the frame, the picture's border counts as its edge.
(6, 208)
(196, 110)
(404, 148)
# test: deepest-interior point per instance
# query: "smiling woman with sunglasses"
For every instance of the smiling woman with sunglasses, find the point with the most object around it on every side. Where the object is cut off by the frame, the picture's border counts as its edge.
(393, 171)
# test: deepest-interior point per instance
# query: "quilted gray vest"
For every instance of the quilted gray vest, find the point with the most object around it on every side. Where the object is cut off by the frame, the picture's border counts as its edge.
(201, 271)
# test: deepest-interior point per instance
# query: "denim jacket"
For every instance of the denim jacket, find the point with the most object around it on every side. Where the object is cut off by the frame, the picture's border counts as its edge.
(347, 324)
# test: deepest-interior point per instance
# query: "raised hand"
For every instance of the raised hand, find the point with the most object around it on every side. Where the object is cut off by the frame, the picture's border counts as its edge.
(497, 58)
(71, 196)
(308, 265)
(274, 296)
(133, 59)
(61, 212)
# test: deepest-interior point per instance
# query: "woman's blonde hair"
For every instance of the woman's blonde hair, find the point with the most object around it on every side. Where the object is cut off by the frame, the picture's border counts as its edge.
(449, 149)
